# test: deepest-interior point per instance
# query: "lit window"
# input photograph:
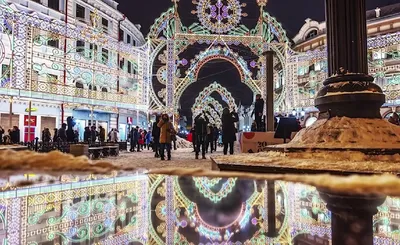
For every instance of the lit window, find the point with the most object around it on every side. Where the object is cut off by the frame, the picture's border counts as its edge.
(378, 55)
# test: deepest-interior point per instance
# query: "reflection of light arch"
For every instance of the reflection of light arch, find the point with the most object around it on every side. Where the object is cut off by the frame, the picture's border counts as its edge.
(216, 87)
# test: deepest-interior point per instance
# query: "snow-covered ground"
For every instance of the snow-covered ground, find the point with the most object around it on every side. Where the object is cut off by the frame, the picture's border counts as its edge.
(181, 158)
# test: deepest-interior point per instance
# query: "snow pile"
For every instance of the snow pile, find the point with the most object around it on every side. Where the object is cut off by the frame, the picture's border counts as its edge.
(343, 132)
(183, 143)
(50, 162)
(348, 161)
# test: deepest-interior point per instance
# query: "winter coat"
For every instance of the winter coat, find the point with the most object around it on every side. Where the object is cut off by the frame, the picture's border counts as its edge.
(201, 125)
(259, 107)
(114, 136)
(166, 130)
(62, 134)
(155, 132)
(148, 138)
(228, 127)
(102, 135)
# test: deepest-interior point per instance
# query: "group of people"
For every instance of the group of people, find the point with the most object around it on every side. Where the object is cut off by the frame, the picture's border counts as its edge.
(13, 136)
(90, 135)
(204, 135)
(140, 139)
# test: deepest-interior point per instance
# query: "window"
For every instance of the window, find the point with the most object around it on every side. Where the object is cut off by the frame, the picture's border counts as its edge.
(52, 78)
(80, 12)
(92, 51)
(54, 4)
(128, 39)
(80, 46)
(133, 42)
(79, 85)
(122, 63)
(129, 67)
(53, 43)
(36, 1)
(104, 56)
(5, 74)
(90, 88)
(104, 90)
(312, 34)
(121, 35)
(104, 22)
(378, 55)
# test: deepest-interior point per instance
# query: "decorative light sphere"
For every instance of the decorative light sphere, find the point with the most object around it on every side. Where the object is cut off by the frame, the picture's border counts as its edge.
(262, 3)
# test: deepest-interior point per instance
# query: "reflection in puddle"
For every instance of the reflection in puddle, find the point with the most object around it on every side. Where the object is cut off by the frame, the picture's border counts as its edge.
(156, 209)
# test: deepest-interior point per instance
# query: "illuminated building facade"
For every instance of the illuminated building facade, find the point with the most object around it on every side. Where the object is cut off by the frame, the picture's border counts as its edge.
(309, 64)
(70, 58)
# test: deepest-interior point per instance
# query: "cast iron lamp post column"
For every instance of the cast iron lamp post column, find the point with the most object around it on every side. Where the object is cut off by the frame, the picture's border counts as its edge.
(349, 91)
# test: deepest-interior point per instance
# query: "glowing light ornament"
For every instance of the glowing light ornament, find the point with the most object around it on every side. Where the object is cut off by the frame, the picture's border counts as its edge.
(262, 3)
(219, 16)
(204, 185)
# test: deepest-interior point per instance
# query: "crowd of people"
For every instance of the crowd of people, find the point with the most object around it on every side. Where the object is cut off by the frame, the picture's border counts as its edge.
(12, 137)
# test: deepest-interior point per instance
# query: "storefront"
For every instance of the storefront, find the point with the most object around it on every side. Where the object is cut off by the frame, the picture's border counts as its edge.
(43, 115)
(125, 125)
(84, 118)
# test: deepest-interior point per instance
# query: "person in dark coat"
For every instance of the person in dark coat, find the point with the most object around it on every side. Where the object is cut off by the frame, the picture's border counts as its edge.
(229, 130)
(93, 134)
(102, 134)
(55, 135)
(86, 135)
(15, 135)
(210, 138)
(46, 135)
(201, 122)
(155, 132)
(134, 137)
(193, 132)
(1, 135)
(216, 136)
(258, 112)
(62, 132)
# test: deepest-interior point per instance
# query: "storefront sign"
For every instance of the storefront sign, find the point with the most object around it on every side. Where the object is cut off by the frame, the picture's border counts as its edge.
(33, 121)
(32, 109)
(254, 142)
(129, 120)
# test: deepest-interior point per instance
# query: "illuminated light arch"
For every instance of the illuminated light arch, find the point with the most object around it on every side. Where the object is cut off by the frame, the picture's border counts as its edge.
(213, 106)
(169, 31)
(216, 87)
(208, 101)
(213, 54)
(161, 23)
(215, 116)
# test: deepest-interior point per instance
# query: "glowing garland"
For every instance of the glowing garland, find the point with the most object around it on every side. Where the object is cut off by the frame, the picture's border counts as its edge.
(204, 187)
(219, 16)
(216, 87)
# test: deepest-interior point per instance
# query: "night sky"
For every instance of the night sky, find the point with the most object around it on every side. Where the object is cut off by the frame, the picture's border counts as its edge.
(290, 13)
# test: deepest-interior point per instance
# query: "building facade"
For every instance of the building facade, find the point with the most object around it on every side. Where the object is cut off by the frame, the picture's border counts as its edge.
(61, 58)
(308, 64)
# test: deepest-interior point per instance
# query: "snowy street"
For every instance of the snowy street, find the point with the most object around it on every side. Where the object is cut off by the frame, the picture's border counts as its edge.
(182, 158)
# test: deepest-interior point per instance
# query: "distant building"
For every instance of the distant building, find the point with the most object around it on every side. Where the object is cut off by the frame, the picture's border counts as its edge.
(71, 58)
(308, 68)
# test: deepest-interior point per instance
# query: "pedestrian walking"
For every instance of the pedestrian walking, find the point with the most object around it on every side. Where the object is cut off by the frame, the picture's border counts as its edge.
(201, 122)
(166, 131)
(229, 130)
